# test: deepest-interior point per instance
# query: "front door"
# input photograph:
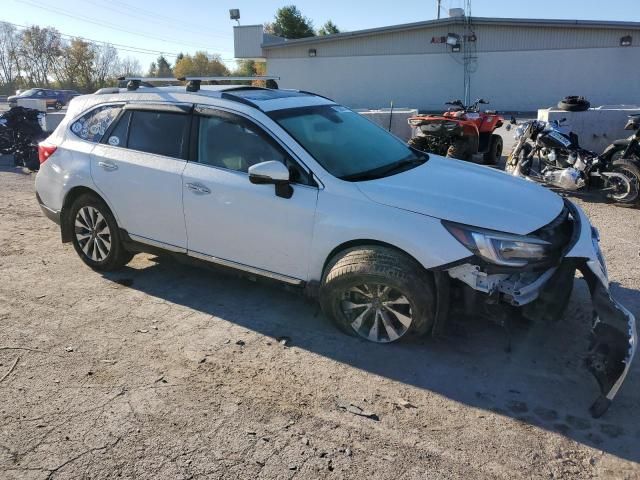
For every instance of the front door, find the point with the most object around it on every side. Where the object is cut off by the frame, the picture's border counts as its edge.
(237, 222)
(138, 167)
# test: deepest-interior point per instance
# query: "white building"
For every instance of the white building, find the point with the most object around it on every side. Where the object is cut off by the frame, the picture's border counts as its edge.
(517, 64)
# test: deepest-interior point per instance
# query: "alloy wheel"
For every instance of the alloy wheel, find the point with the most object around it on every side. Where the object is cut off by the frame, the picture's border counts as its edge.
(377, 312)
(92, 233)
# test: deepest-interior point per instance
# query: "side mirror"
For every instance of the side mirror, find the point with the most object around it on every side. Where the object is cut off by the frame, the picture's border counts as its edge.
(272, 172)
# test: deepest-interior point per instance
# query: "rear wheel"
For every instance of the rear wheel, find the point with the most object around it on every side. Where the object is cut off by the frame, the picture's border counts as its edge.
(378, 293)
(626, 184)
(58, 105)
(96, 237)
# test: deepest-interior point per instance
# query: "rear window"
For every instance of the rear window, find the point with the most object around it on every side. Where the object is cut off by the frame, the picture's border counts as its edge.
(93, 125)
(161, 133)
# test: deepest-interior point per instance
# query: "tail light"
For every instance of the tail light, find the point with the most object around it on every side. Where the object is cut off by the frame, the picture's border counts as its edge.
(45, 150)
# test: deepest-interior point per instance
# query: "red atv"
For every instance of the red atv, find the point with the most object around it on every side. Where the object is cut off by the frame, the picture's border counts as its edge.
(462, 132)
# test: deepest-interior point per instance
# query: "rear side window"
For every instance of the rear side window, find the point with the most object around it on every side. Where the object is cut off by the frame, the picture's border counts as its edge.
(92, 125)
(161, 133)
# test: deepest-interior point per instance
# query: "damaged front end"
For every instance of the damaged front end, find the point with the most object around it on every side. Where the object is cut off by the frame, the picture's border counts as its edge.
(568, 244)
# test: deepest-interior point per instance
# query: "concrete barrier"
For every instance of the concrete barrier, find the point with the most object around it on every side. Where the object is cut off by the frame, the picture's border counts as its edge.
(51, 121)
(32, 103)
(597, 127)
(399, 125)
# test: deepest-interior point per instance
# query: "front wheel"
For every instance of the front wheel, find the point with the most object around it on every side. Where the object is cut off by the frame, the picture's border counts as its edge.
(625, 182)
(58, 105)
(378, 293)
(96, 237)
(493, 156)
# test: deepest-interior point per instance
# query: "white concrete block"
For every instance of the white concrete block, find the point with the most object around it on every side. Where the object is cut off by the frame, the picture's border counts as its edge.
(33, 103)
(597, 127)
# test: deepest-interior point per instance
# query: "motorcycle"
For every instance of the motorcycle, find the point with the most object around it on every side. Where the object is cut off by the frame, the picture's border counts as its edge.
(626, 148)
(20, 133)
(547, 152)
(463, 132)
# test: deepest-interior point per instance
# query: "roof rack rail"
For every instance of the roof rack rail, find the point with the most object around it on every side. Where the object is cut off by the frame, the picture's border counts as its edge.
(133, 83)
(193, 83)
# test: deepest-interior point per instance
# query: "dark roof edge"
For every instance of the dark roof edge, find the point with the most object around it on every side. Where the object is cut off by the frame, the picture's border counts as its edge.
(459, 20)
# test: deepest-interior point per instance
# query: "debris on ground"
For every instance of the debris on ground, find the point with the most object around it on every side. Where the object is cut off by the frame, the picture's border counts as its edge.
(405, 403)
(356, 410)
(284, 341)
(241, 343)
(68, 349)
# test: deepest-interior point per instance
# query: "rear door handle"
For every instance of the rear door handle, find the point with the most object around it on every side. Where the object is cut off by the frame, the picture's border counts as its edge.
(197, 188)
(109, 166)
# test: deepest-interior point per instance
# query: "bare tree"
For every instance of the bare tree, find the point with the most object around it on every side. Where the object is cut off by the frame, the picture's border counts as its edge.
(129, 67)
(9, 48)
(105, 67)
(40, 49)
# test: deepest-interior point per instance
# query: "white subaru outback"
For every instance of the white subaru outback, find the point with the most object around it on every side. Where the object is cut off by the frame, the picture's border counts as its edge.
(292, 186)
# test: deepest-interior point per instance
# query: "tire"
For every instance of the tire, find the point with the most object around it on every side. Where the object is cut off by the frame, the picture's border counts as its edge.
(574, 103)
(58, 105)
(513, 165)
(371, 286)
(629, 169)
(493, 156)
(459, 149)
(104, 252)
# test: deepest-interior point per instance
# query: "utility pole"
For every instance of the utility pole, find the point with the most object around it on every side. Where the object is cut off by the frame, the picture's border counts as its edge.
(439, 2)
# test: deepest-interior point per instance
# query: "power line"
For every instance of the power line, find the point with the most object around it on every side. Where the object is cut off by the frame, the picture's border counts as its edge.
(117, 46)
(127, 8)
(107, 24)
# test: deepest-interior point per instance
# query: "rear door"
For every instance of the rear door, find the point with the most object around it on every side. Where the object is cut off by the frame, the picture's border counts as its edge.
(138, 167)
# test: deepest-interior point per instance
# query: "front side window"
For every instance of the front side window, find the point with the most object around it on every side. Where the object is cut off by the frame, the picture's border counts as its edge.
(346, 144)
(232, 142)
(161, 133)
(93, 125)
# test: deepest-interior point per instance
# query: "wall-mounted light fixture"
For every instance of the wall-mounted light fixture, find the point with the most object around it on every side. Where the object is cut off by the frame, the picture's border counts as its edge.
(234, 14)
(453, 39)
(626, 41)
(312, 52)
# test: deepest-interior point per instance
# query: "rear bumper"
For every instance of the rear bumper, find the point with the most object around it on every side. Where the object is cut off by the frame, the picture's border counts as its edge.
(51, 214)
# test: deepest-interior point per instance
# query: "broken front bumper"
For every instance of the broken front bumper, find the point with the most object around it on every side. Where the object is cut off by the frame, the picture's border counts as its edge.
(545, 297)
(614, 337)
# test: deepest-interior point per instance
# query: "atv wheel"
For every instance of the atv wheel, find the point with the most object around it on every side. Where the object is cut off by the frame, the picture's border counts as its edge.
(493, 156)
(626, 194)
(462, 149)
(378, 294)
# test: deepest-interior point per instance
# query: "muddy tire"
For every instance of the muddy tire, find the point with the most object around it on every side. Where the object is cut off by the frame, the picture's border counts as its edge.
(378, 293)
(629, 169)
(459, 149)
(95, 234)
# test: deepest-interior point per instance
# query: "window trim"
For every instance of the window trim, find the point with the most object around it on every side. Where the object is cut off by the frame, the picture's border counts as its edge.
(202, 110)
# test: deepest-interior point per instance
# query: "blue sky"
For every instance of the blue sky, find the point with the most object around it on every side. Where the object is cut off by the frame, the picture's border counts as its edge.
(174, 26)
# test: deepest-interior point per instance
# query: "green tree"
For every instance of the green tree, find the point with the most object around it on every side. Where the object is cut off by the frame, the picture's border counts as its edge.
(164, 68)
(329, 28)
(75, 65)
(290, 23)
(39, 52)
(153, 70)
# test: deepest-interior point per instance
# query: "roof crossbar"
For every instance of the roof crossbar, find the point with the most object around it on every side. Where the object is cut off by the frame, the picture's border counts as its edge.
(193, 82)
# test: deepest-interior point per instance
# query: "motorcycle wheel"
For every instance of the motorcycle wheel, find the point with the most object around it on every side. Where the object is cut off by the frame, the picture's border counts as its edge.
(626, 183)
(515, 159)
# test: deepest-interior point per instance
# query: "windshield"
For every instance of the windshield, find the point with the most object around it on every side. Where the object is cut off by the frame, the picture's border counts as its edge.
(346, 144)
(31, 91)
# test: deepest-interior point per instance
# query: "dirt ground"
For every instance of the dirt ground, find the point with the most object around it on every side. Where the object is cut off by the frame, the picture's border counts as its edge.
(167, 371)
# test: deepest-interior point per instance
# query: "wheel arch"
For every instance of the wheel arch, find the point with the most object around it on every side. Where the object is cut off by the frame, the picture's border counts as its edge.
(66, 229)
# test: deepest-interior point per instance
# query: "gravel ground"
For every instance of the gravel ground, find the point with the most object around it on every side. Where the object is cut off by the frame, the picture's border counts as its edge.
(167, 371)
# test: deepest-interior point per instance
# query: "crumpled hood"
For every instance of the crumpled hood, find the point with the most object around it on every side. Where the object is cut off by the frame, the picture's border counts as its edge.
(467, 193)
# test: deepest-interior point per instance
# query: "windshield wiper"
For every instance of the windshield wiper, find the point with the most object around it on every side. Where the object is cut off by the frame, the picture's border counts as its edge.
(386, 170)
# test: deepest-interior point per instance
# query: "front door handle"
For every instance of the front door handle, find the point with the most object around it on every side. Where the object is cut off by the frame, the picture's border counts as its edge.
(197, 188)
(108, 166)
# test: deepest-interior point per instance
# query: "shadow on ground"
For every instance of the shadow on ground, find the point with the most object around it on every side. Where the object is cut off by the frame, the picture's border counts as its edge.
(540, 382)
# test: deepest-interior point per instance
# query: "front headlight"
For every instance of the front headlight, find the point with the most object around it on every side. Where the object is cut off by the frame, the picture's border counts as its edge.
(519, 132)
(500, 248)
